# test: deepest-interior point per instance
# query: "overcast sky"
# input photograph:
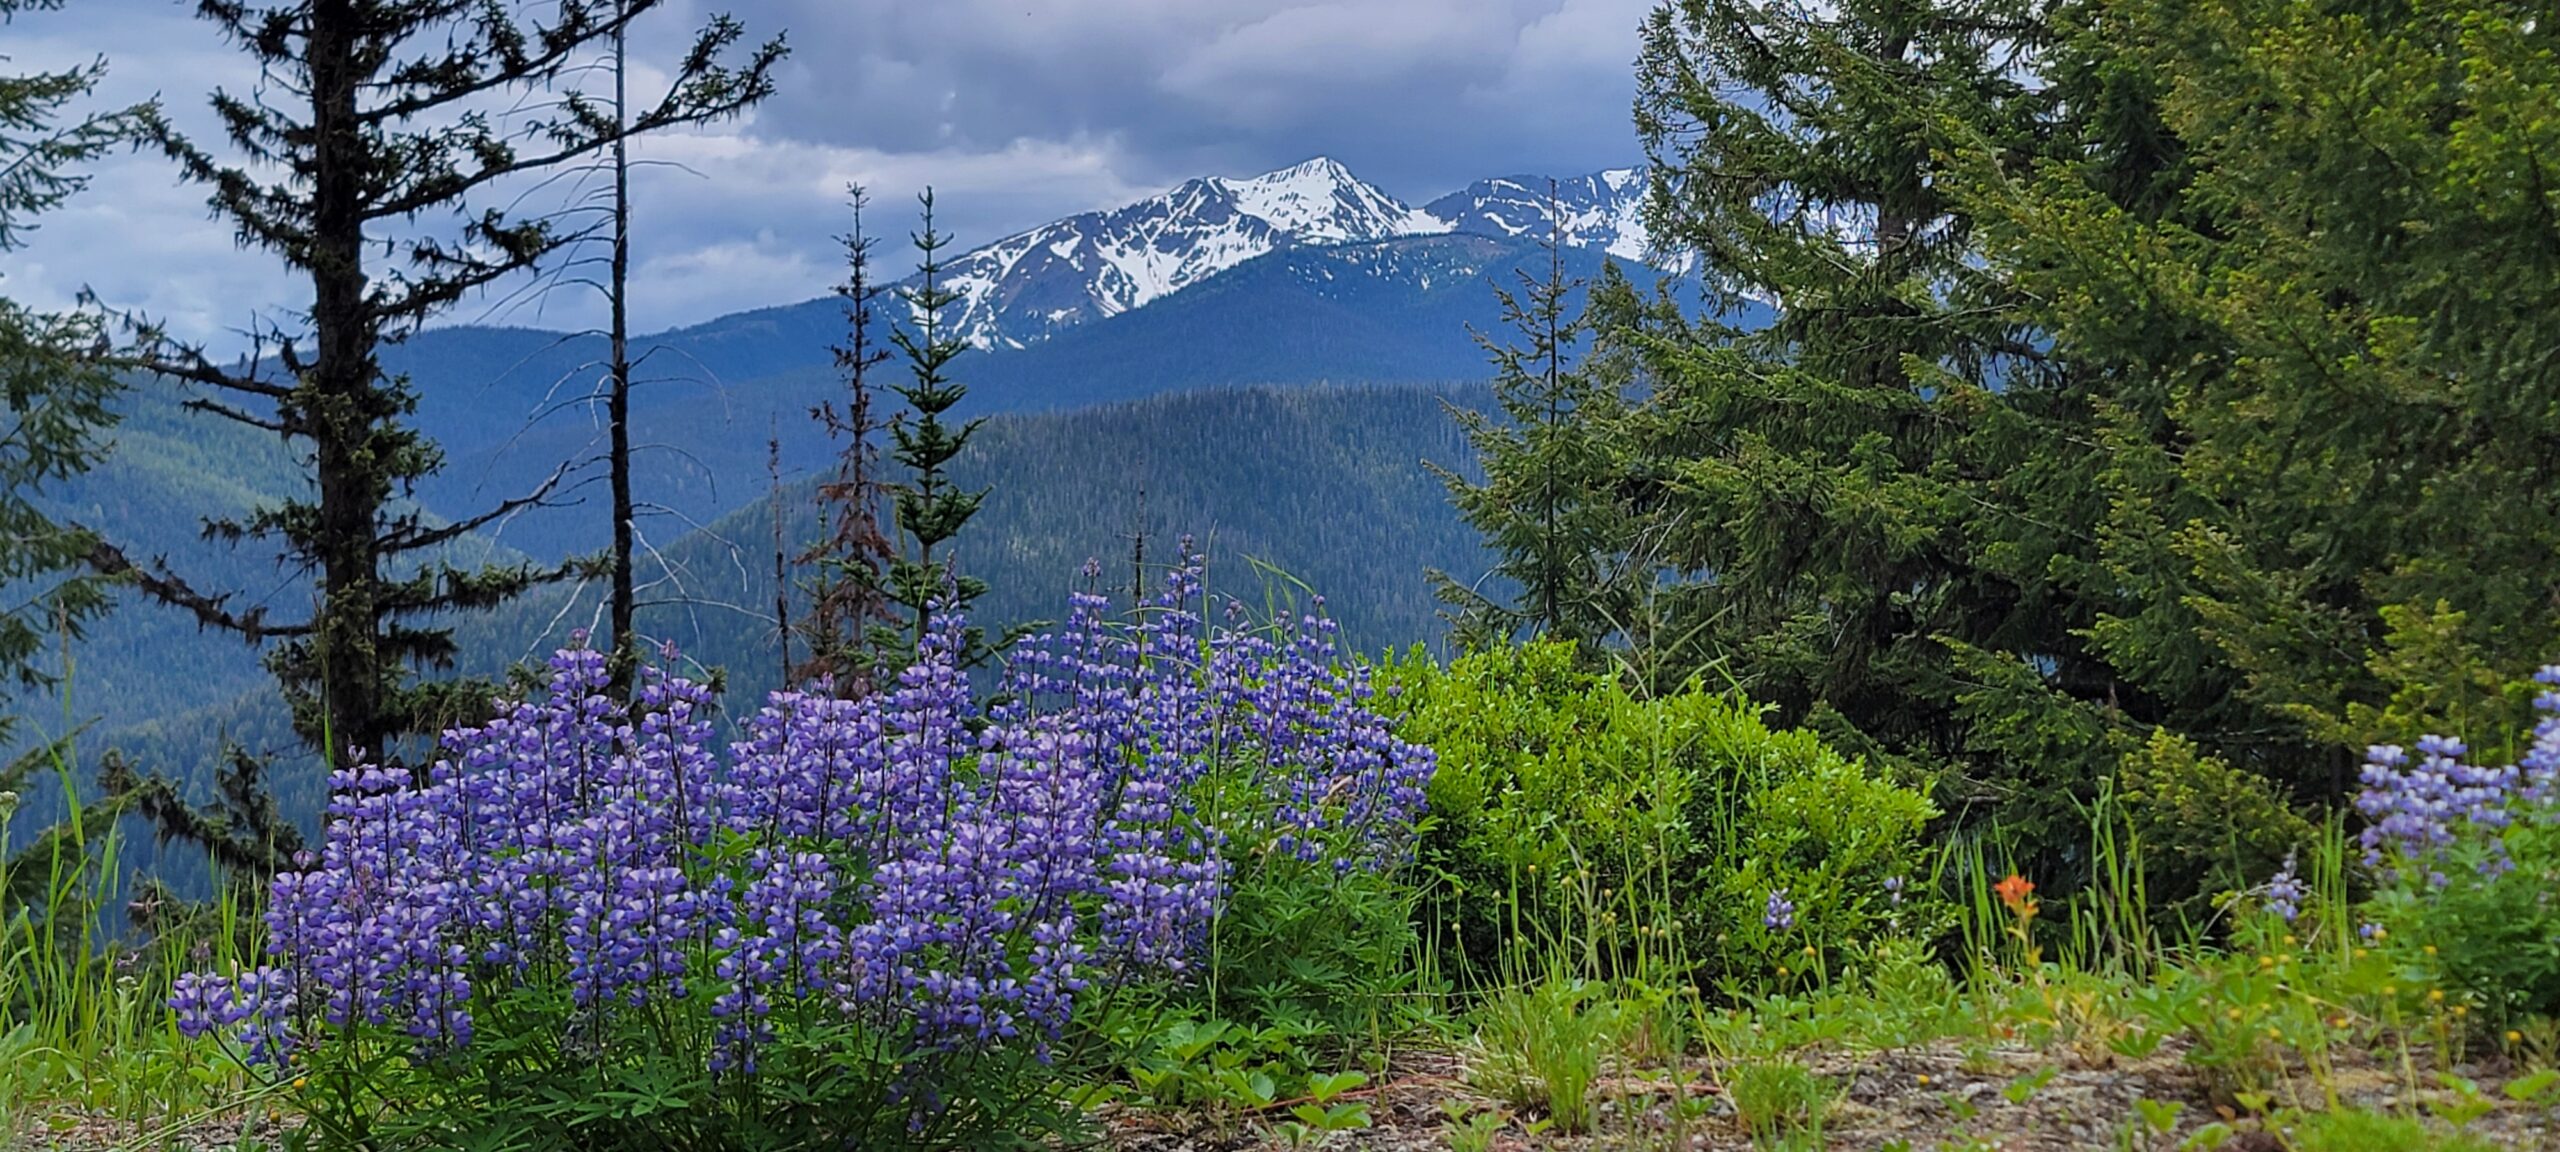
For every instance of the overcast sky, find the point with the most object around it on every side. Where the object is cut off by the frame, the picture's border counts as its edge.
(1016, 111)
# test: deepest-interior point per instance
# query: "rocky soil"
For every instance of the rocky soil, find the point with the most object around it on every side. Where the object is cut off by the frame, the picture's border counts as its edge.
(2010, 1098)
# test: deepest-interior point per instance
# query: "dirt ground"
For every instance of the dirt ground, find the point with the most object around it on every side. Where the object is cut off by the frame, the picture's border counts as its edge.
(1935, 1096)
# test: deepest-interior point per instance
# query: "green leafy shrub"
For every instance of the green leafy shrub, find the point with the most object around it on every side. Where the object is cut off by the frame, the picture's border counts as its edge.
(2204, 826)
(1643, 835)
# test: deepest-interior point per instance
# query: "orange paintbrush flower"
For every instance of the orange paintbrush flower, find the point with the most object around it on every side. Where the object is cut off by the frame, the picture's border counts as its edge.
(2018, 893)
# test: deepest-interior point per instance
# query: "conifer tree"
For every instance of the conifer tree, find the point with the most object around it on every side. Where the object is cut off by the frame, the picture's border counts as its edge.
(2334, 482)
(396, 113)
(1546, 504)
(1943, 505)
(929, 507)
(849, 599)
(1871, 499)
(54, 376)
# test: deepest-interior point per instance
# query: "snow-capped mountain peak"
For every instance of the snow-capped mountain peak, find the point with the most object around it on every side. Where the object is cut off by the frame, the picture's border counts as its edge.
(1601, 210)
(1321, 202)
(1031, 285)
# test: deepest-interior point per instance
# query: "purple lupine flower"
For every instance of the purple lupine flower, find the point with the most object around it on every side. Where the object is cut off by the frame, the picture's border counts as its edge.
(2285, 892)
(1780, 915)
(1893, 889)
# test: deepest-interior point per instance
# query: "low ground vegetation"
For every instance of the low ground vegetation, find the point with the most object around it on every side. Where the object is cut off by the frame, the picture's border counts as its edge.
(1217, 886)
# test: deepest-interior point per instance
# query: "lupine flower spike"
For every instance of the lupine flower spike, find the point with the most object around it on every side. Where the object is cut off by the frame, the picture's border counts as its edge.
(2285, 892)
(1781, 913)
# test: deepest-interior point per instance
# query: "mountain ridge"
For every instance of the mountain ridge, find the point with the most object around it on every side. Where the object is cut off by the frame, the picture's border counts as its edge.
(1027, 287)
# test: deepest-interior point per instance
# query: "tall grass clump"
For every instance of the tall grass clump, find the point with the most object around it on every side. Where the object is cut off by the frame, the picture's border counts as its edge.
(1542, 1048)
(82, 1017)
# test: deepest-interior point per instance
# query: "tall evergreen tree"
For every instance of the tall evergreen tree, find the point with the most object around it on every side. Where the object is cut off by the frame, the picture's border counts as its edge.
(1871, 502)
(852, 560)
(929, 508)
(1547, 502)
(390, 120)
(54, 375)
(2336, 500)
(2132, 404)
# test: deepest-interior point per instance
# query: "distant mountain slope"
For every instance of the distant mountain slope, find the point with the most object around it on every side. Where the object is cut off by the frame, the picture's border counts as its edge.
(1325, 484)
(170, 472)
(1392, 311)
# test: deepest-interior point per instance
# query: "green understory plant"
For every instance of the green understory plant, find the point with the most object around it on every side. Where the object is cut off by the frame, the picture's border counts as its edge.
(1575, 819)
(1542, 1047)
(1781, 1103)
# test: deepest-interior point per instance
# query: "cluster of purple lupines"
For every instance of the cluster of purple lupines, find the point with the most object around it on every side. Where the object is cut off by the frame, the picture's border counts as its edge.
(2416, 813)
(906, 860)
(1780, 915)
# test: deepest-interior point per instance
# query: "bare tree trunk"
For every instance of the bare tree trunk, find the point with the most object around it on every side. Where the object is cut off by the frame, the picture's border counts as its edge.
(781, 565)
(626, 646)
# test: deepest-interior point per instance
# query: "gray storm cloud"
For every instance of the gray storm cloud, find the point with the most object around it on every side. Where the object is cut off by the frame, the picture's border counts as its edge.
(1016, 111)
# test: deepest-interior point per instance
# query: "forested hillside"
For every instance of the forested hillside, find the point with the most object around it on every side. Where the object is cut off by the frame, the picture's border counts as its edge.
(710, 397)
(1320, 486)
(1284, 488)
